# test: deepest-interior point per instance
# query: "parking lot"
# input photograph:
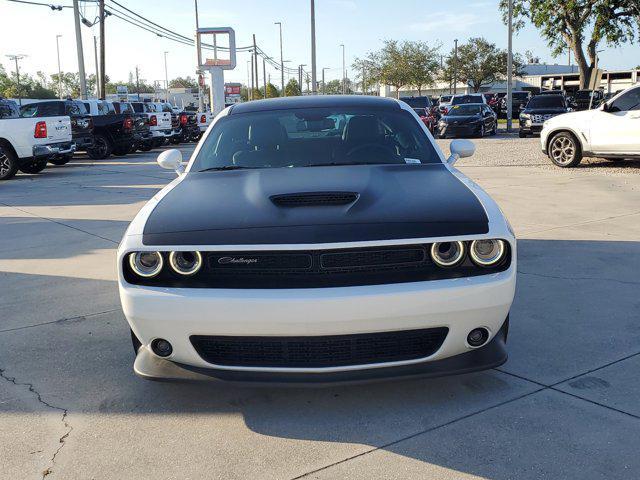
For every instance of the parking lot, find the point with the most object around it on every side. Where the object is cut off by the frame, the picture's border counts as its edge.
(563, 406)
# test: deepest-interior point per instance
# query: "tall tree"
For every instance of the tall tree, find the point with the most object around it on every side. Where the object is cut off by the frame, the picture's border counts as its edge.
(479, 64)
(424, 63)
(292, 89)
(580, 25)
(186, 82)
(272, 91)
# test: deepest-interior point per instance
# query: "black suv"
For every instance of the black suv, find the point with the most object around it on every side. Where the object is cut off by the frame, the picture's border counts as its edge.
(585, 99)
(540, 109)
(519, 101)
(81, 122)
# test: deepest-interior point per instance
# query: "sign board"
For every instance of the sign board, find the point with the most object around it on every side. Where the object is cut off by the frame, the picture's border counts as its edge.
(123, 92)
(216, 48)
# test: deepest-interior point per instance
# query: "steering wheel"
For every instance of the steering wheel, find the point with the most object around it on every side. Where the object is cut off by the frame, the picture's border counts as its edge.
(385, 148)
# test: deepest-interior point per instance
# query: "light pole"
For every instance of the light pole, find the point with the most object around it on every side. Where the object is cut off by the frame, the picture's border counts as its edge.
(300, 75)
(314, 87)
(166, 79)
(199, 72)
(344, 72)
(83, 78)
(510, 67)
(284, 93)
(59, 69)
(15, 58)
(455, 66)
(324, 90)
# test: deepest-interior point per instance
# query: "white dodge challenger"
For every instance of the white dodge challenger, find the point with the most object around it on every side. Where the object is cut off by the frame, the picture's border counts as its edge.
(317, 239)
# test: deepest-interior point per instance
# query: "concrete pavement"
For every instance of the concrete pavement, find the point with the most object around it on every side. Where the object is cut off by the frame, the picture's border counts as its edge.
(563, 406)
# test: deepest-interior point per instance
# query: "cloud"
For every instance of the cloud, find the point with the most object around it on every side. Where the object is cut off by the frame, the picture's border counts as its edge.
(451, 22)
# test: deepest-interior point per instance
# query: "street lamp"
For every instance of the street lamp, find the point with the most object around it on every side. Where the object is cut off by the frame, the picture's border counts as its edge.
(166, 79)
(344, 72)
(314, 87)
(455, 67)
(284, 94)
(15, 58)
(510, 67)
(300, 75)
(59, 69)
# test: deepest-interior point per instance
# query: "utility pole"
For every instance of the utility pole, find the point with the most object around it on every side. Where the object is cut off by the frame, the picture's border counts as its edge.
(264, 76)
(199, 62)
(249, 80)
(166, 78)
(455, 67)
(83, 79)
(510, 68)
(137, 83)
(300, 72)
(324, 90)
(284, 93)
(102, 51)
(255, 61)
(314, 85)
(59, 69)
(344, 72)
(15, 58)
(95, 57)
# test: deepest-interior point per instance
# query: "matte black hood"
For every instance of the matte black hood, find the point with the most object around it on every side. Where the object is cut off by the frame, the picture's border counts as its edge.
(392, 202)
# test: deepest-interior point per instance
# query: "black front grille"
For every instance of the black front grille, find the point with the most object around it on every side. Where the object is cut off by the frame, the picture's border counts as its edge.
(314, 268)
(319, 352)
(309, 199)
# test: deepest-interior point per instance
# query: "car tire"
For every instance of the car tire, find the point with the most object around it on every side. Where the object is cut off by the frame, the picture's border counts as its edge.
(481, 132)
(614, 159)
(35, 166)
(564, 150)
(146, 147)
(136, 343)
(8, 163)
(522, 135)
(101, 148)
(175, 141)
(63, 160)
(495, 128)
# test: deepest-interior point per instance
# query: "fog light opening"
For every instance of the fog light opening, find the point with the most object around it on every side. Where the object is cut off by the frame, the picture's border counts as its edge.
(161, 347)
(478, 337)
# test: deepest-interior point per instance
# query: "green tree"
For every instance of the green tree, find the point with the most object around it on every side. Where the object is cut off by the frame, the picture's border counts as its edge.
(272, 91)
(424, 63)
(186, 82)
(333, 87)
(580, 25)
(29, 87)
(292, 88)
(479, 64)
(366, 73)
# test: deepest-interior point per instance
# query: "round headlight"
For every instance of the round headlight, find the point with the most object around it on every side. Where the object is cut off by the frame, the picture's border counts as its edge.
(487, 253)
(185, 263)
(447, 254)
(146, 264)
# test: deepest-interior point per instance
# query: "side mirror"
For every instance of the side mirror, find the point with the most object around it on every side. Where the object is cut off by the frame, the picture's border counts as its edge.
(460, 149)
(171, 160)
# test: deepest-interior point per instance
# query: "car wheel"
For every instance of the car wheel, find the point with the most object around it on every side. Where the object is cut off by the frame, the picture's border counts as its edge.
(8, 163)
(146, 147)
(481, 132)
(175, 141)
(564, 150)
(522, 134)
(136, 343)
(101, 148)
(614, 159)
(35, 166)
(495, 129)
(63, 160)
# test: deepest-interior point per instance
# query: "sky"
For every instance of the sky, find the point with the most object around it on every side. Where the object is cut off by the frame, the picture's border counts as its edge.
(361, 25)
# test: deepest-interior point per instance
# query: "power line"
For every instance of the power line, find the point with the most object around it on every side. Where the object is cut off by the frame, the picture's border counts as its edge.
(51, 6)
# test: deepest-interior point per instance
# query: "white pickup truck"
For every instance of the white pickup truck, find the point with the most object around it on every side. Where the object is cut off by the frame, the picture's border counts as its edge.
(28, 143)
(159, 121)
(204, 120)
(611, 131)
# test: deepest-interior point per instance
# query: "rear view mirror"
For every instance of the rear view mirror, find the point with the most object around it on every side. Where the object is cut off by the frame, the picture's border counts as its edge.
(171, 160)
(460, 149)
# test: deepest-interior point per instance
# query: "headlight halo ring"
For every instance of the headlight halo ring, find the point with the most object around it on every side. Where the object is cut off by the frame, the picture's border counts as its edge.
(173, 261)
(457, 259)
(134, 259)
(494, 260)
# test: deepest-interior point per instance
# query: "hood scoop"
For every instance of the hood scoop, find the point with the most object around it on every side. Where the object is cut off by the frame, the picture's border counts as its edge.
(314, 199)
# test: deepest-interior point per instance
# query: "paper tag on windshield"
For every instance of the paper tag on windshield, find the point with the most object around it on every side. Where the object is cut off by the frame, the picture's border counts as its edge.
(411, 160)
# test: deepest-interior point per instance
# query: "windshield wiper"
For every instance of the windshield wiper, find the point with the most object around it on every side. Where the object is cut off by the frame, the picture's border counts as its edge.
(225, 167)
(333, 164)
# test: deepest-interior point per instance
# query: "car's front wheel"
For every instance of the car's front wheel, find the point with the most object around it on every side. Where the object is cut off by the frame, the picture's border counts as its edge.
(8, 163)
(564, 150)
(101, 148)
(35, 166)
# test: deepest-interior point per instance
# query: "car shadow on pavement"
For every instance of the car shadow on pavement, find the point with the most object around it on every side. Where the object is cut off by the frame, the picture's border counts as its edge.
(575, 311)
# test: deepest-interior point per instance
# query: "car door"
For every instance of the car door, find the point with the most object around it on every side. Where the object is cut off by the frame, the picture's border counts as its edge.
(615, 127)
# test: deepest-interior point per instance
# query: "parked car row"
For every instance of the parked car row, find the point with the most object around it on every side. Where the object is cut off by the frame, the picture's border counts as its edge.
(51, 131)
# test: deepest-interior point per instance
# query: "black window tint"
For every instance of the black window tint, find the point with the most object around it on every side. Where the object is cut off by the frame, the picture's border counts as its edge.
(8, 109)
(627, 101)
(138, 107)
(27, 111)
(87, 106)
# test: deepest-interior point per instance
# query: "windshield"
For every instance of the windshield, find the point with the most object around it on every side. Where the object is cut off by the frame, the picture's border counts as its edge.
(314, 137)
(422, 112)
(584, 94)
(417, 102)
(546, 101)
(466, 99)
(445, 98)
(459, 110)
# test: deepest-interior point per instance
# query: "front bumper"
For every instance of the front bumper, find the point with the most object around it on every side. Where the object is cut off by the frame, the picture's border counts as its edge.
(459, 130)
(53, 149)
(531, 128)
(175, 314)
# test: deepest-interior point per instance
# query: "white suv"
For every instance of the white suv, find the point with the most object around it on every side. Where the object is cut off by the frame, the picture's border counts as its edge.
(612, 131)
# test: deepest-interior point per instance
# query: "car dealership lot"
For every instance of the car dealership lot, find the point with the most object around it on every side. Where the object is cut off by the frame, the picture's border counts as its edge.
(563, 406)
